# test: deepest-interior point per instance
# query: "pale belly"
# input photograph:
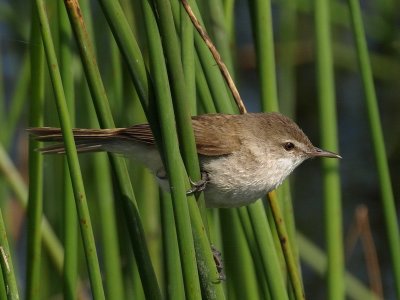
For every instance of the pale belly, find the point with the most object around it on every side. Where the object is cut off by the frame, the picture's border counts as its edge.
(234, 180)
(233, 183)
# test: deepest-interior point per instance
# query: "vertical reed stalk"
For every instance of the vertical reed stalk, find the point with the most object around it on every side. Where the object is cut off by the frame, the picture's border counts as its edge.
(266, 247)
(73, 163)
(264, 41)
(388, 201)
(174, 170)
(104, 115)
(113, 282)
(7, 268)
(283, 235)
(35, 198)
(70, 275)
(175, 288)
(240, 265)
(327, 110)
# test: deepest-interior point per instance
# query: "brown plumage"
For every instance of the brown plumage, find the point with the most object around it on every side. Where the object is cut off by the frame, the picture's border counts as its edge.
(244, 156)
(215, 134)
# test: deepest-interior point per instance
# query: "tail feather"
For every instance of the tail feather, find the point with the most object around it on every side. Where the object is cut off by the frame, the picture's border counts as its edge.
(137, 140)
(52, 134)
(60, 148)
(87, 140)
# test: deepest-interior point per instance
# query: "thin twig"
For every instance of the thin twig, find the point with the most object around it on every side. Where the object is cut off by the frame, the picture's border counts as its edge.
(361, 229)
(216, 56)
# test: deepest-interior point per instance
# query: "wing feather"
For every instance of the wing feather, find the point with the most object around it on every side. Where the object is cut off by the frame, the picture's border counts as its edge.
(215, 134)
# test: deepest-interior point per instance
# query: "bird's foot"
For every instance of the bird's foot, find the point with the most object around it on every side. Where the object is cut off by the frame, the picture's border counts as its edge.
(218, 263)
(198, 186)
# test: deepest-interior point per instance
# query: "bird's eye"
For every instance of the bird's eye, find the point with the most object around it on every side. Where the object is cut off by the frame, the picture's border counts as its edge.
(288, 146)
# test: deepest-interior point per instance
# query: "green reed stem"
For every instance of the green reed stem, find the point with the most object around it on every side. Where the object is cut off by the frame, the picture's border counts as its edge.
(215, 81)
(203, 91)
(291, 262)
(116, 81)
(188, 56)
(240, 267)
(35, 196)
(3, 287)
(388, 201)
(203, 254)
(132, 57)
(175, 288)
(112, 264)
(174, 170)
(179, 90)
(221, 34)
(266, 248)
(189, 70)
(103, 110)
(256, 255)
(263, 36)
(286, 60)
(264, 41)
(288, 212)
(229, 12)
(7, 265)
(73, 163)
(70, 272)
(327, 108)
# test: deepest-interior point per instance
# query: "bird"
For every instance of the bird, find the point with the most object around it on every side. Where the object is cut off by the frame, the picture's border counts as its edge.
(242, 157)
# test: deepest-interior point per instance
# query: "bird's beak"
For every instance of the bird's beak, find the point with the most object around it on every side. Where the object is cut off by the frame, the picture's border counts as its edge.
(322, 153)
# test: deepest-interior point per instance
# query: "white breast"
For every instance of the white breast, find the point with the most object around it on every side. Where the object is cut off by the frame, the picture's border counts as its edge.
(239, 179)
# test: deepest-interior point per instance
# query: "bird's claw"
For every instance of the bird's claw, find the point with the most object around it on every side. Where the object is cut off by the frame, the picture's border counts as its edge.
(198, 186)
(218, 263)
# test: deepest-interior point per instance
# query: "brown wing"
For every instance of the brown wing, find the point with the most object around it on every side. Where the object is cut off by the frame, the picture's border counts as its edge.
(215, 134)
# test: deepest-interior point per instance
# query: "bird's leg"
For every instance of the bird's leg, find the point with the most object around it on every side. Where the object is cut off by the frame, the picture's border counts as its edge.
(198, 186)
(218, 263)
(161, 174)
